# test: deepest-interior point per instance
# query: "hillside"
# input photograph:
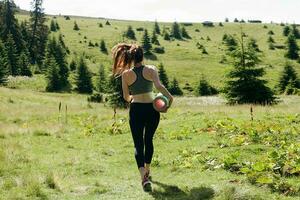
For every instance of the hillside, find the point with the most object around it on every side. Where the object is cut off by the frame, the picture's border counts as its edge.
(182, 58)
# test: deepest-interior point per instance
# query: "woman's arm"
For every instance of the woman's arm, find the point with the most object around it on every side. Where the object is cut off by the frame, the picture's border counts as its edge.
(160, 87)
(125, 88)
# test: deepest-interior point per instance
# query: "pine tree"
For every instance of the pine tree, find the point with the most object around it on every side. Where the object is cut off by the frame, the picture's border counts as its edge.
(24, 65)
(184, 33)
(39, 32)
(57, 26)
(103, 48)
(11, 50)
(52, 74)
(286, 30)
(62, 43)
(175, 89)
(83, 79)
(163, 75)
(3, 64)
(253, 44)
(130, 33)
(53, 26)
(76, 27)
(10, 25)
(55, 50)
(295, 31)
(166, 36)
(292, 51)
(175, 32)
(244, 84)
(156, 28)
(115, 97)
(288, 77)
(271, 40)
(146, 43)
(204, 88)
(73, 65)
(101, 80)
(154, 39)
(230, 42)
(25, 33)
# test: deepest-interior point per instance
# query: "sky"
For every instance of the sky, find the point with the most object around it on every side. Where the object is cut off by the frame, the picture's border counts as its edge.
(176, 10)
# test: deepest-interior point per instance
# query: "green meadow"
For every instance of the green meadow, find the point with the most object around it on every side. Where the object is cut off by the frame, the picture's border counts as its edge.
(182, 59)
(60, 146)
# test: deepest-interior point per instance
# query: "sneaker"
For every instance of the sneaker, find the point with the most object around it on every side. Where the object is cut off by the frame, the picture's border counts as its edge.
(146, 184)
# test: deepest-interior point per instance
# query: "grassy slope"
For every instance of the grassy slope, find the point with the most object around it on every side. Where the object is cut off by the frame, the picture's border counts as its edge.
(84, 161)
(185, 62)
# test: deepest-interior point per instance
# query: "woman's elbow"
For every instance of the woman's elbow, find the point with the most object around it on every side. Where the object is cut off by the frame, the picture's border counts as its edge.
(159, 86)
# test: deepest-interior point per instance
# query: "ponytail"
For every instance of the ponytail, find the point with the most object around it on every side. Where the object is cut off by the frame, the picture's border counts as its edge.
(124, 55)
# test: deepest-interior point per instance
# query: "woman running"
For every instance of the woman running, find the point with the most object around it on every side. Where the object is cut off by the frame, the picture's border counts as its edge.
(137, 85)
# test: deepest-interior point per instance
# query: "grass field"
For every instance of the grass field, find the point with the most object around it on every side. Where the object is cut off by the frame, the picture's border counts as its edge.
(181, 57)
(77, 154)
(204, 149)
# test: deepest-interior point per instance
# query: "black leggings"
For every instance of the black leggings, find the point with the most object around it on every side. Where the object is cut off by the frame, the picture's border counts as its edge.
(143, 119)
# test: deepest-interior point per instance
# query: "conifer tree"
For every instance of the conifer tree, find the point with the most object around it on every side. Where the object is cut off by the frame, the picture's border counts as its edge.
(63, 44)
(244, 84)
(230, 42)
(292, 48)
(103, 48)
(184, 33)
(166, 36)
(53, 26)
(154, 39)
(39, 32)
(253, 44)
(11, 50)
(56, 51)
(83, 79)
(25, 34)
(101, 80)
(24, 65)
(130, 33)
(146, 43)
(10, 25)
(286, 30)
(295, 31)
(175, 32)
(76, 27)
(52, 74)
(3, 64)
(175, 89)
(204, 88)
(156, 28)
(73, 65)
(271, 40)
(115, 97)
(163, 75)
(288, 77)
(57, 26)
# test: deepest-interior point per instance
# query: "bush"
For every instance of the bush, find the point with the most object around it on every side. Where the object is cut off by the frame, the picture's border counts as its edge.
(160, 50)
(205, 89)
(140, 29)
(96, 98)
(175, 89)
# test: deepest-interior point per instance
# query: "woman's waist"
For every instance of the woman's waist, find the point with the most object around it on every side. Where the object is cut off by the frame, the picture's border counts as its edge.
(143, 98)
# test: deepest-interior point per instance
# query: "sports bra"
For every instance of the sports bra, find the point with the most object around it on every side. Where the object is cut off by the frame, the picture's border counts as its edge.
(140, 85)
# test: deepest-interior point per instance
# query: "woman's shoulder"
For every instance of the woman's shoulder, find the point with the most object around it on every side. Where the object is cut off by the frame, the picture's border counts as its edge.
(151, 67)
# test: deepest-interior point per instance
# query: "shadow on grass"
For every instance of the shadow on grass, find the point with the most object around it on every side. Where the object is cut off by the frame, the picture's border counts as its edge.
(174, 192)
